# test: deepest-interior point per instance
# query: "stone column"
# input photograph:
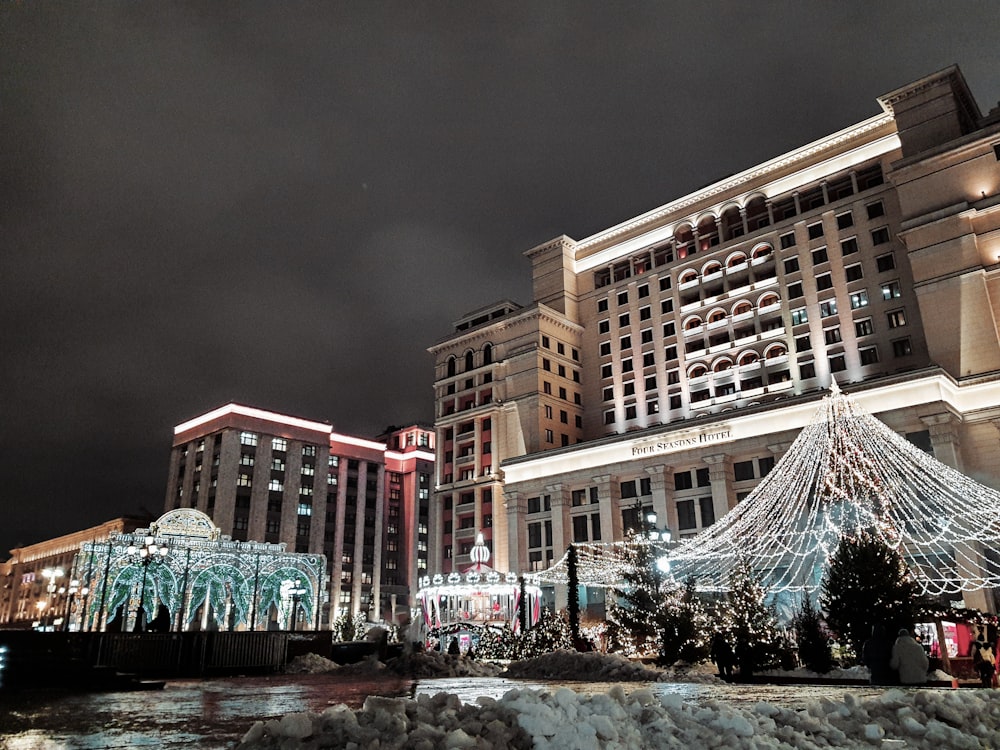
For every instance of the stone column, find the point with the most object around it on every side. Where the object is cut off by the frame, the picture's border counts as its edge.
(720, 474)
(609, 494)
(947, 446)
(562, 533)
(516, 505)
(666, 512)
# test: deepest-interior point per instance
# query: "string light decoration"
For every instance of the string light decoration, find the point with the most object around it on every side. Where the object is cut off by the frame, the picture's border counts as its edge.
(599, 565)
(847, 472)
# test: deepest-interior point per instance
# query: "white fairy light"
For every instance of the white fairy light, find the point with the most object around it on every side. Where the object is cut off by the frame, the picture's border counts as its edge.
(847, 472)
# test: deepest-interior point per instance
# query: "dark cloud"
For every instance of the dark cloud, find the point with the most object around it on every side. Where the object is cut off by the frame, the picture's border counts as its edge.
(285, 203)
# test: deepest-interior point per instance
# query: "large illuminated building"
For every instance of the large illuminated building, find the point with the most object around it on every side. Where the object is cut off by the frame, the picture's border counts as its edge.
(362, 503)
(667, 362)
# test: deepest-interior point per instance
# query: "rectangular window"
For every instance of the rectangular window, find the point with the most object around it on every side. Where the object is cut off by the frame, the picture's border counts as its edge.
(670, 352)
(279, 444)
(602, 305)
(665, 283)
(652, 407)
(896, 318)
(604, 326)
(309, 451)
(880, 236)
(545, 342)
(787, 240)
(647, 359)
(623, 320)
(685, 515)
(563, 417)
(645, 313)
(646, 336)
(625, 342)
(869, 355)
(828, 308)
(630, 411)
(901, 348)
(803, 343)
(875, 210)
(702, 477)
(627, 365)
(859, 299)
(580, 528)
(838, 363)
(248, 438)
(795, 290)
(854, 273)
(682, 480)
(885, 262)
(799, 316)
(643, 291)
(707, 511)
(845, 220)
(824, 281)
(622, 298)
(791, 265)
(548, 414)
(548, 436)
(849, 246)
(891, 290)
(832, 335)
(863, 327)
(609, 393)
(743, 471)
(547, 386)
(609, 417)
(605, 349)
(819, 256)
(305, 509)
(815, 230)
(807, 370)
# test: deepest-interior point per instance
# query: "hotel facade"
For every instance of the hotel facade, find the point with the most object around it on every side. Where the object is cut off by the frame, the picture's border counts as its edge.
(667, 363)
(363, 504)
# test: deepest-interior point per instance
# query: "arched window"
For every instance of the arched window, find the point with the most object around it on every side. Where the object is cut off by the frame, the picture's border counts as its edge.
(768, 300)
(469, 361)
(775, 351)
(742, 307)
(748, 358)
(735, 259)
(711, 267)
(716, 315)
(721, 365)
(451, 366)
(488, 354)
(762, 251)
(687, 276)
(691, 323)
(697, 371)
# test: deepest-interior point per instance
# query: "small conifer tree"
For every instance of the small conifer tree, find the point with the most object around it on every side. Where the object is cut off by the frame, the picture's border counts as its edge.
(754, 627)
(813, 639)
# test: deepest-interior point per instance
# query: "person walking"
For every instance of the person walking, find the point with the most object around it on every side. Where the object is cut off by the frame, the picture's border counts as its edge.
(984, 660)
(722, 654)
(909, 658)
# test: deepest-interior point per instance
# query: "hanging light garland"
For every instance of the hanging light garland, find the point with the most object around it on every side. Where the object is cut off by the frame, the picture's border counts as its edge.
(847, 472)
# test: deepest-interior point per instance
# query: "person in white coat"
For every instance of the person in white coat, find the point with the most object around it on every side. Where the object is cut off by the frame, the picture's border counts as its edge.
(909, 658)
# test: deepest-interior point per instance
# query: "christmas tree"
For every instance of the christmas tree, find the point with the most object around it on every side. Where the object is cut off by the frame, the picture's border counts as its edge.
(752, 623)
(867, 584)
(496, 643)
(685, 625)
(550, 633)
(635, 606)
(812, 637)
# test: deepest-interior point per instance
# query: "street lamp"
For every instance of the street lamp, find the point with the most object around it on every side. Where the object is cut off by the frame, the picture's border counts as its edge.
(150, 552)
(659, 538)
(52, 575)
(296, 591)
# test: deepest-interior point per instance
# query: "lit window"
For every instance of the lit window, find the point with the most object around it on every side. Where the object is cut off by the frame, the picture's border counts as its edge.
(863, 327)
(248, 438)
(891, 290)
(275, 486)
(305, 509)
(279, 444)
(896, 318)
(799, 316)
(828, 308)
(859, 299)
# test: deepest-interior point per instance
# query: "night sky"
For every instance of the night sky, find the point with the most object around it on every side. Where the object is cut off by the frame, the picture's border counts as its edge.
(284, 204)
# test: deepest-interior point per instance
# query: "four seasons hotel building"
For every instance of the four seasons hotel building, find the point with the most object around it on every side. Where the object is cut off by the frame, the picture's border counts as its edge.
(666, 363)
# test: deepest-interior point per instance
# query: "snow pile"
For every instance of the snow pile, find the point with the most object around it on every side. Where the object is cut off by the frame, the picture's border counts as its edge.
(427, 723)
(435, 664)
(704, 672)
(922, 720)
(310, 664)
(837, 673)
(591, 666)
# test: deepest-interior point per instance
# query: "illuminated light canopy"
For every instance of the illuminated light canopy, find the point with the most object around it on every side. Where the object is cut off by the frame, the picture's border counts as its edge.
(845, 473)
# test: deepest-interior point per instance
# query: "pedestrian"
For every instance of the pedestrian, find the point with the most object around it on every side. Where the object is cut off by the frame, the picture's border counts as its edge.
(453, 648)
(910, 659)
(722, 654)
(984, 660)
(877, 655)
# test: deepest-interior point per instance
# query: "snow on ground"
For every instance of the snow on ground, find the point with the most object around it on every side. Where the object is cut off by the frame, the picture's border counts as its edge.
(310, 664)
(436, 664)
(620, 720)
(592, 667)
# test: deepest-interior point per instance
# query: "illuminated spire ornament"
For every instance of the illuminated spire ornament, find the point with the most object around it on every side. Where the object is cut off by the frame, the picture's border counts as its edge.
(847, 472)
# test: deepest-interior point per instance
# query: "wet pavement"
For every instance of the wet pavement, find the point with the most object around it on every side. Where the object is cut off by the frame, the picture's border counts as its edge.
(209, 714)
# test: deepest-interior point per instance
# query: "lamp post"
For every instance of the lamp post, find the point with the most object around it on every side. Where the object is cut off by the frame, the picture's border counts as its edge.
(150, 552)
(51, 575)
(658, 539)
(296, 591)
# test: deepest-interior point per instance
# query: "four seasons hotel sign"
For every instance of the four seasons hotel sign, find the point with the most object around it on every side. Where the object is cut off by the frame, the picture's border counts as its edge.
(682, 441)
